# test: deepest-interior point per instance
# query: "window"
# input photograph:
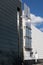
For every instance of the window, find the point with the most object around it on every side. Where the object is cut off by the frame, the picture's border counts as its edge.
(27, 42)
(27, 31)
(27, 37)
(28, 25)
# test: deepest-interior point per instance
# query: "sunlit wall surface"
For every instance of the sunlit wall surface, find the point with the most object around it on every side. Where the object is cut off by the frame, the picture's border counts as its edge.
(37, 42)
(26, 32)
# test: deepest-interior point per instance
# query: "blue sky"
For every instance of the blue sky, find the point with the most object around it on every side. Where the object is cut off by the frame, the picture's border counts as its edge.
(36, 9)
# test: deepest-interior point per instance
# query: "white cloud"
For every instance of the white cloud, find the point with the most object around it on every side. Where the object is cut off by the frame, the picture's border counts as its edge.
(41, 29)
(36, 19)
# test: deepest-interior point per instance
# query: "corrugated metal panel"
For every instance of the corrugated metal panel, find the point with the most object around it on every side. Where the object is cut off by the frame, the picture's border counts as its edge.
(8, 30)
(8, 23)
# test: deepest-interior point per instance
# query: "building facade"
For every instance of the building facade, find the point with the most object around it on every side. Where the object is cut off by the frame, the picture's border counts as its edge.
(32, 42)
(10, 37)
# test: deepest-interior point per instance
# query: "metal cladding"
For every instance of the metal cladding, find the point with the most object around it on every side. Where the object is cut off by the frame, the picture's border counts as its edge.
(8, 31)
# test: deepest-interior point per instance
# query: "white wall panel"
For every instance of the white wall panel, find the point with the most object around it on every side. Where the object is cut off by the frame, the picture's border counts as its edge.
(37, 41)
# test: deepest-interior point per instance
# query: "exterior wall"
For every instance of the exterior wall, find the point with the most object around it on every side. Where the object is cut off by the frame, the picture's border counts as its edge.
(37, 42)
(8, 31)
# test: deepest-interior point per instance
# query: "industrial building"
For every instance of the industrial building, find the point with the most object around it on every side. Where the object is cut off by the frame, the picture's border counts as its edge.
(32, 39)
(18, 38)
(33, 42)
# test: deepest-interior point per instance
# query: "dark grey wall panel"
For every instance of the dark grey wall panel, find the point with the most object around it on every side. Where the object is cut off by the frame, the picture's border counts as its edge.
(8, 31)
(8, 21)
